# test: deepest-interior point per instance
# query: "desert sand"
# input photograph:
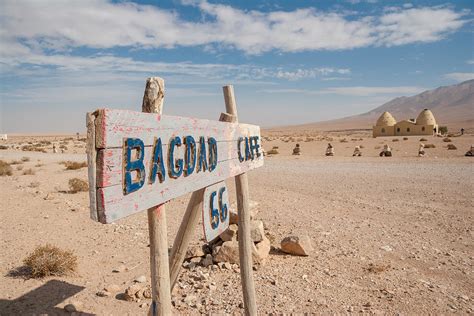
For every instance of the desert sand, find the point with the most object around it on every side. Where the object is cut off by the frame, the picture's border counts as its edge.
(390, 235)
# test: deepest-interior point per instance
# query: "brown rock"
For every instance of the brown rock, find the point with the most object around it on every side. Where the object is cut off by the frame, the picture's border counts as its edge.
(112, 288)
(131, 291)
(194, 251)
(261, 251)
(294, 245)
(257, 232)
(230, 234)
(228, 252)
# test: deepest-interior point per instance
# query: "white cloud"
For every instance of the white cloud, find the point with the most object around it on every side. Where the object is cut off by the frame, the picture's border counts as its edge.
(63, 25)
(470, 62)
(460, 76)
(359, 91)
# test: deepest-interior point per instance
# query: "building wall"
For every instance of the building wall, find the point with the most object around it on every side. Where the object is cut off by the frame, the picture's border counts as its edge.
(379, 131)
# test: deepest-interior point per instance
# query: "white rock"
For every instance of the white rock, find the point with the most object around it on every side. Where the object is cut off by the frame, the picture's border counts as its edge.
(140, 279)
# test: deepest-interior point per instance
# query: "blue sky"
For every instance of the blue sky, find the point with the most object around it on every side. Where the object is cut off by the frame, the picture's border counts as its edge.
(290, 62)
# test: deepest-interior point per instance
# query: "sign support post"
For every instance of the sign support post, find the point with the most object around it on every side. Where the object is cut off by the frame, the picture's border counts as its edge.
(245, 242)
(160, 277)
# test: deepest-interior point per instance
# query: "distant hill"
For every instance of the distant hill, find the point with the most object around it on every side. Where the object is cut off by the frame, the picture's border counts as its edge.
(451, 105)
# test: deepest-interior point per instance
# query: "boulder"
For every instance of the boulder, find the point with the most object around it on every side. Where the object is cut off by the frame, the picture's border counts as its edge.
(230, 234)
(294, 245)
(261, 251)
(194, 252)
(257, 233)
(228, 252)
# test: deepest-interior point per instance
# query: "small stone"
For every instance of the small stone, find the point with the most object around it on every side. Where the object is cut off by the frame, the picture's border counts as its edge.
(386, 248)
(143, 305)
(140, 279)
(190, 300)
(131, 291)
(70, 308)
(103, 293)
(227, 265)
(257, 232)
(230, 234)
(49, 197)
(120, 268)
(228, 252)
(147, 293)
(300, 246)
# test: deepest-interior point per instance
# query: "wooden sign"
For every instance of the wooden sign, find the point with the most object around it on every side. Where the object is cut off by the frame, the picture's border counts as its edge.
(215, 211)
(145, 159)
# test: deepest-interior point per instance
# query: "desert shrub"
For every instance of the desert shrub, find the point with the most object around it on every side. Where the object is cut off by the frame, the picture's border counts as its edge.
(25, 159)
(29, 172)
(395, 140)
(5, 169)
(430, 146)
(50, 260)
(33, 148)
(78, 185)
(446, 140)
(19, 167)
(82, 139)
(343, 140)
(39, 165)
(405, 138)
(377, 147)
(68, 139)
(45, 142)
(3, 147)
(423, 140)
(443, 129)
(63, 147)
(361, 146)
(452, 147)
(16, 162)
(73, 165)
(273, 151)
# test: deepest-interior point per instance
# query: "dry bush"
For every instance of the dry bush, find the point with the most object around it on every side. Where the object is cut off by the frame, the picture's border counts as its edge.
(73, 165)
(446, 140)
(343, 140)
(29, 172)
(395, 140)
(430, 146)
(361, 146)
(63, 147)
(45, 142)
(33, 148)
(273, 151)
(39, 165)
(50, 260)
(16, 162)
(25, 159)
(405, 138)
(78, 185)
(19, 167)
(3, 147)
(5, 169)
(423, 140)
(452, 147)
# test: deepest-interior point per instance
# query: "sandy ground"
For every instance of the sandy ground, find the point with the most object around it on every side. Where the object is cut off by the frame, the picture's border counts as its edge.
(390, 235)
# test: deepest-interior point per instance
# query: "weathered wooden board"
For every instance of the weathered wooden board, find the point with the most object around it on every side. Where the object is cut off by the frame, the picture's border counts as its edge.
(215, 210)
(123, 189)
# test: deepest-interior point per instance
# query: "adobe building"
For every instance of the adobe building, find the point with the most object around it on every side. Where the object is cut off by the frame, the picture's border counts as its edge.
(425, 124)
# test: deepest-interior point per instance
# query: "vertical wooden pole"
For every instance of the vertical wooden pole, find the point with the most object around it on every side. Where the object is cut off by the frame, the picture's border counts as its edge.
(189, 222)
(160, 277)
(245, 242)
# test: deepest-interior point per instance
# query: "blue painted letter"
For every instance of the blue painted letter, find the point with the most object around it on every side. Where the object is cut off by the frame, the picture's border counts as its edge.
(214, 212)
(202, 164)
(172, 164)
(190, 155)
(212, 153)
(132, 185)
(239, 142)
(157, 164)
(222, 205)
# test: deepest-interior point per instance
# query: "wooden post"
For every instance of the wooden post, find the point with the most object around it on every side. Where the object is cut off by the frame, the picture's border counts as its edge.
(160, 277)
(245, 242)
(189, 222)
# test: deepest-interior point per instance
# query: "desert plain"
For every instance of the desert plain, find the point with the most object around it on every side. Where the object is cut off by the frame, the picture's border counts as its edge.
(390, 235)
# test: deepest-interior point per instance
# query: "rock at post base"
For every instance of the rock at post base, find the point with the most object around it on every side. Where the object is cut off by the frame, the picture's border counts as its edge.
(228, 252)
(230, 234)
(257, 233)
(294, 245)
(261, 251)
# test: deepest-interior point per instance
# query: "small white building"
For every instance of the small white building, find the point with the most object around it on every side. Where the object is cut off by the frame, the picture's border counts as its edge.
(3, 136)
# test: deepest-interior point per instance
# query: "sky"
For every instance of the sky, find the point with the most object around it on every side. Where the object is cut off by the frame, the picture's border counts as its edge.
(291, 62)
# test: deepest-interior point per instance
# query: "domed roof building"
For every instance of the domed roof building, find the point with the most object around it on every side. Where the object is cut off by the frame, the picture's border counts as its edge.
(386, 119)
(426, 117)
(386, 125)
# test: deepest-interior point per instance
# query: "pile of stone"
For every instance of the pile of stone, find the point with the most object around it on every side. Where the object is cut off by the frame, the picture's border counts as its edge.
(225, 248)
